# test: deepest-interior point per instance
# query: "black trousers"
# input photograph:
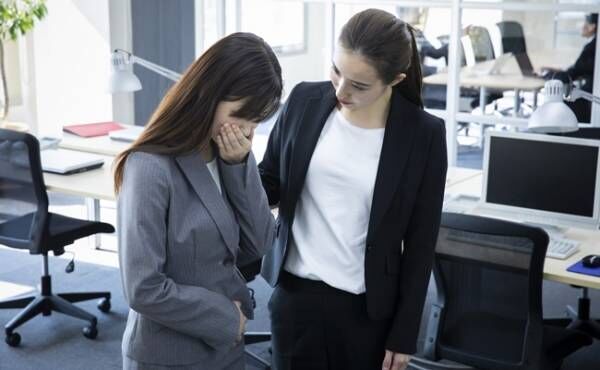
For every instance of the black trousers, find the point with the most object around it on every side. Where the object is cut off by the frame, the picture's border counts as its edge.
(318, 327)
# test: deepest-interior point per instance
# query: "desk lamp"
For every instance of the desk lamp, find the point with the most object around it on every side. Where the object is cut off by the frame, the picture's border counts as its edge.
(554, 116)
(123, 80)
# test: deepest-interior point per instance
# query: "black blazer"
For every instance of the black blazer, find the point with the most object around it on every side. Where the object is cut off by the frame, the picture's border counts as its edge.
(406, 209)
(584, 66)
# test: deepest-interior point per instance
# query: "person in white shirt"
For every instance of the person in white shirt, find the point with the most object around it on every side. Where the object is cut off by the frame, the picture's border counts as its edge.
(357, 169)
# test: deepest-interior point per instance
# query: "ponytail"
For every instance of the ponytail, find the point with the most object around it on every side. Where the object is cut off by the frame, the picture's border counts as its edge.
(411, 87)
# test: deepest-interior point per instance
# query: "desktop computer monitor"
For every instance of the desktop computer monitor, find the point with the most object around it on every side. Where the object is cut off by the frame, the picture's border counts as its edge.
(542, 179)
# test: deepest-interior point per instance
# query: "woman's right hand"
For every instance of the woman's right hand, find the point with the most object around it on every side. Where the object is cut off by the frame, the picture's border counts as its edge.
(243, 320)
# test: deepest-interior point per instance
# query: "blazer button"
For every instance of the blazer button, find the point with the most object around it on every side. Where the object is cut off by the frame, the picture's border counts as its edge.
(369, 247)
(227, 262)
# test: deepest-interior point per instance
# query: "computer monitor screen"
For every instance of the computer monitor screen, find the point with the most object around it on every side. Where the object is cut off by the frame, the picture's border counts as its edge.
(543, 175)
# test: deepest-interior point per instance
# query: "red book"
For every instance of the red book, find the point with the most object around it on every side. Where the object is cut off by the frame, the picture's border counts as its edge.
(92, 129)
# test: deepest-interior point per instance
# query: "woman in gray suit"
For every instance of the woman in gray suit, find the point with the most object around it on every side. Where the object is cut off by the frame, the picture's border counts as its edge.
(191, 208)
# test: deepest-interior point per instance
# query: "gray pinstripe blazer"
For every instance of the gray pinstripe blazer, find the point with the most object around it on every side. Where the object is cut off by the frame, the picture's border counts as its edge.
(179, 243)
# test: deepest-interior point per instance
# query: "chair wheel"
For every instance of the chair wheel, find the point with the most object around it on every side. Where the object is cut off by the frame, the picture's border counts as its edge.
(13, 339)
(90, 332)
(104, 305)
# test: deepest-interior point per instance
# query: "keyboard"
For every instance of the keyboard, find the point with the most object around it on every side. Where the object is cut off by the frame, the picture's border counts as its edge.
(561, 248)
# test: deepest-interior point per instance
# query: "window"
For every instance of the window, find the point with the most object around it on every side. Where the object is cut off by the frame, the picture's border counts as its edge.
(281, 24)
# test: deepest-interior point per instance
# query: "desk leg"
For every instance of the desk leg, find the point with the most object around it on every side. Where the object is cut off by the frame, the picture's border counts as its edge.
(580, 319)
(93, 207)
(482, 104)
(517, 103)
(482, 100)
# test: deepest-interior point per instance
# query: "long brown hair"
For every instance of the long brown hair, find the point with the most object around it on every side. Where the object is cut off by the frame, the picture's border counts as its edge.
(389, 44)
(239, 66)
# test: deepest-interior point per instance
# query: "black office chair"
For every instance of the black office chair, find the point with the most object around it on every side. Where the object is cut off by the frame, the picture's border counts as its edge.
(250, 271)
(488, 313)
(583, 133)
(25, 223)
(513, 37)
(579, 318)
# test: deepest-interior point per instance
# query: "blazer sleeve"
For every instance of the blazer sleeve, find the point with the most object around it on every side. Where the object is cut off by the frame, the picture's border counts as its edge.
(584, 65)
(248, 199)
(269, 167)
(419, 248)
(192, 310)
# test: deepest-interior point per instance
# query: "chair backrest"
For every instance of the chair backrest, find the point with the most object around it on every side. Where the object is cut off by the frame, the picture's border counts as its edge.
(513, 37)
(481, 42)
(23, 197)
(488, 275)
(584, 133)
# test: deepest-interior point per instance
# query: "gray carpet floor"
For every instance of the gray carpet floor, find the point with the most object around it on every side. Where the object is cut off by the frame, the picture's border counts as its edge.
(56, 342)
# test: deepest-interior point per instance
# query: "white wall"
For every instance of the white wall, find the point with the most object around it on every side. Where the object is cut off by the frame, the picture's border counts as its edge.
(13, 78)
(70, 65)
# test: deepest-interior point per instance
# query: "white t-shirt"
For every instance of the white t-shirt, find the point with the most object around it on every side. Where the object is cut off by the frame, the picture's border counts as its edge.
(332, 215)
(213, 168)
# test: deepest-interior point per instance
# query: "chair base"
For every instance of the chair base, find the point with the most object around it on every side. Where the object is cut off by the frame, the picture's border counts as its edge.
(46, 303)
(579, 319)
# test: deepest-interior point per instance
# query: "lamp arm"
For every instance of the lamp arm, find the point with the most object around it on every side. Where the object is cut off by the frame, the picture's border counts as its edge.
(165, 72)
(171, 75)
(578, 93)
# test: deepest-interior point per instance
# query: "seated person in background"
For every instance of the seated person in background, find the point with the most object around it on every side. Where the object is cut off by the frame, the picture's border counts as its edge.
(582, 69)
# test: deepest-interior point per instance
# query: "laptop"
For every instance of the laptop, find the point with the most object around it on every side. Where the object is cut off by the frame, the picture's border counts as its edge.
(129, 134)
(525, 65)
(66, 162)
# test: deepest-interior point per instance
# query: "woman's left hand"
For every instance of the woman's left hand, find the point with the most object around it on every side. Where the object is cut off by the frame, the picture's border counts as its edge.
(395, 361)
(233, 145)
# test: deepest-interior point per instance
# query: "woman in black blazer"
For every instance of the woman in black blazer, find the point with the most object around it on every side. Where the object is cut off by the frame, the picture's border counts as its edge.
(357, 168)
(582, 69)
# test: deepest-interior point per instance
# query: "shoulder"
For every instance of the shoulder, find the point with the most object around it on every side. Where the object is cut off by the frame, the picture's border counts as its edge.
(309, 89)
(431, 123)
(146, 167)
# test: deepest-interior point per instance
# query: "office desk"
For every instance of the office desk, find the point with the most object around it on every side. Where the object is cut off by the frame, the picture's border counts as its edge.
(505, 81)
(457, 175)
(554, 269)
(104, 145)
(95, 184)
(99, 145)
(510, 77)
(99, 184)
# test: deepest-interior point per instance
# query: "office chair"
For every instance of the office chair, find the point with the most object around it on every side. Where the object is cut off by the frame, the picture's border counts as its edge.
(481, 43)
(250, 271)
(513, 37)
(584, 133)
(488, 313)
(25, 223)
(579, 318)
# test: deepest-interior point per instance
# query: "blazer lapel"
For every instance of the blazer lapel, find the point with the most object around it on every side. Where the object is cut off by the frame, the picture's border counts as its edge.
(195, 170)
(311, 124)
(397, 143)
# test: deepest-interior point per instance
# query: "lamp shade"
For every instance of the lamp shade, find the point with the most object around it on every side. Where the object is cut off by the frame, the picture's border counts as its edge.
(121, 78)
(554, 116)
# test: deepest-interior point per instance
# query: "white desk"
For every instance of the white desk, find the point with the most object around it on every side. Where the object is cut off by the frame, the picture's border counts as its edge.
(95, 184)
(510, 78)
(99, 145)
(554, 269)
(457, 175)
